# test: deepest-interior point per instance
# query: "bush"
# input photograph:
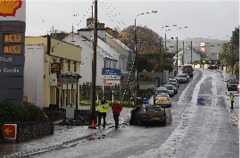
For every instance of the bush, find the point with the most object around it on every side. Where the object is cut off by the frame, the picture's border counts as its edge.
(31, 112)
(9, 112)
(12, 113)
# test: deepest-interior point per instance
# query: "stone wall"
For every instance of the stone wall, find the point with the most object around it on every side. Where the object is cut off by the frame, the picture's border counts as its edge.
(32, 130)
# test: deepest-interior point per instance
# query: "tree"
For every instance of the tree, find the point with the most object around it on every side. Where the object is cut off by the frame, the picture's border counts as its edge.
(229, 48)
(147, 39)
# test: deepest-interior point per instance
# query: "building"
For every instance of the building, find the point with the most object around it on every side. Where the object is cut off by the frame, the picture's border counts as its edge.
(211, 49)
(52, 72)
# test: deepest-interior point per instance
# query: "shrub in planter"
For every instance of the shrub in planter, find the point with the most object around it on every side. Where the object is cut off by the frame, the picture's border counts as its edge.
(9, 111)
(28, 117)
(32, 113)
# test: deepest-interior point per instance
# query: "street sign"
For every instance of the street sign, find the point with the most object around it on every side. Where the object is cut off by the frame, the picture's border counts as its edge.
(9, 131)
(12, 48)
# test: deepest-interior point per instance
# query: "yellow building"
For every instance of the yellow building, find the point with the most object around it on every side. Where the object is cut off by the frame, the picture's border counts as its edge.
(61, 71)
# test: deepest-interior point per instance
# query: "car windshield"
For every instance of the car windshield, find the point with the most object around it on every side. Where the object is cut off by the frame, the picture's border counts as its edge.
(171, 83)
(158, 92)
(151, 107)
(186, 69)
(233, 82)
(172, 80)
(163, 95)
(182, 75)
(168, 87)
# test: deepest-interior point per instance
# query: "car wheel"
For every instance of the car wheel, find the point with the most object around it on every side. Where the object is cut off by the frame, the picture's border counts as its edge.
(164, 122)
(139, 121)
(131, 122)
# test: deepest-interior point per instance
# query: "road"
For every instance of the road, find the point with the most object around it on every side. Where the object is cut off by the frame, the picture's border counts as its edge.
(197, 131)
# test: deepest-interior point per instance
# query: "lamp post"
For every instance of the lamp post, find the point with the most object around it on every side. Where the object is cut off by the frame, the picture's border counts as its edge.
(136, 54)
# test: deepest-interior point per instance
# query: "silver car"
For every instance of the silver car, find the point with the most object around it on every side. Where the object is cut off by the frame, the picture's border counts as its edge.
(170, 89)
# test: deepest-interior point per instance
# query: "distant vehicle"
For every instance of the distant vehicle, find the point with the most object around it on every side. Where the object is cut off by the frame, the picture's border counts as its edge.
(232, 85)
(170, 89)
(163, 100)
(188, 66)
(174, 80)
(174, 86)
(187, 70)
(182, 78)
(147, 113)
(212, 67)
(231, 77)
(160, 90)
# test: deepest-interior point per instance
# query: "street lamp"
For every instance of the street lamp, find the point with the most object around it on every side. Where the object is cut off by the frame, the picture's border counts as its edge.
(136, 54)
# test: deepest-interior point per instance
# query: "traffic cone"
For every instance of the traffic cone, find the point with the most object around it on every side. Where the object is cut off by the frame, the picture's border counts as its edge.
(93, 126)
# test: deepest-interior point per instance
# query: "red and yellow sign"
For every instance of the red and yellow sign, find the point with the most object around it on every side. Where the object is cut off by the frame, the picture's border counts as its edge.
(9, 7)
(9, 131)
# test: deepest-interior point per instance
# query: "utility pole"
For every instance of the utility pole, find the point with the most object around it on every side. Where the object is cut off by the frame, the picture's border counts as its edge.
(183, 54)
(165, 44)
(160, 58)
(136, 62)
(191, 52)
(94, 66)
(232, 58)
(177, 56)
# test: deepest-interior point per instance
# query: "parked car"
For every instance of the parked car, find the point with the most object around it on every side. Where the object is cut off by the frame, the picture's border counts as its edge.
(212, 67)
(163, 100)
(174, 86)
(174, 80)
(232, 85)
(187, 70)
(160, 90)
(147, 113)
(188, 66)
(182, 78)
(231, 77)
(170, 89)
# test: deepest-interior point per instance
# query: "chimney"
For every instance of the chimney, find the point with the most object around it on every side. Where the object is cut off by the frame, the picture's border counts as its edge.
(109, 31)
(90, 22)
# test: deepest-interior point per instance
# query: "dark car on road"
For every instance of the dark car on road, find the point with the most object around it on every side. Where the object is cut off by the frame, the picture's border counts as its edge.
(187, 70)
(148, 113)
(232, 84)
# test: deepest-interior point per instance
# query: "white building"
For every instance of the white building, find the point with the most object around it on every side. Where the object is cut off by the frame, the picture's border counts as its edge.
(186, 56)
(103, 58)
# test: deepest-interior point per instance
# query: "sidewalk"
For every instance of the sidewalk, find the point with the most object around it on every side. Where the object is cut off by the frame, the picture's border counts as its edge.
(64, 136)
(235, 112)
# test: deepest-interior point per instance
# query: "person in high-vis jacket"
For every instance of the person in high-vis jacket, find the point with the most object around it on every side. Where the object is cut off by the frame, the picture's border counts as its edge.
(232, 100)
(102, 111)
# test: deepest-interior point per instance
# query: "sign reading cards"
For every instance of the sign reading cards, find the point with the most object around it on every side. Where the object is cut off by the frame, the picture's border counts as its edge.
(12, 48)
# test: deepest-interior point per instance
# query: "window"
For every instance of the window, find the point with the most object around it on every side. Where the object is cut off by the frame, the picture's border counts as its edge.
(75, 66)
(69, 65)
(105, 63)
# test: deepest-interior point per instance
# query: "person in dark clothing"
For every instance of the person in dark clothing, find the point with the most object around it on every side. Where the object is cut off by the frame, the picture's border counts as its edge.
(116, 110)
(232, 100)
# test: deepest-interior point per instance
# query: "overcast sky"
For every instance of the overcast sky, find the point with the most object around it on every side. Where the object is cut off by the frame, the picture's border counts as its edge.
(204, 18)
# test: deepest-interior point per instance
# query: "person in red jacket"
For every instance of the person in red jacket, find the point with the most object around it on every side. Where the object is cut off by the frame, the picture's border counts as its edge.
(116, 110)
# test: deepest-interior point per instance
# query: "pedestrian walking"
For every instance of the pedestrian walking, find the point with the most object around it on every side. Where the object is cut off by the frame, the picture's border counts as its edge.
(116, 110)
(102, 111)
(232, 100)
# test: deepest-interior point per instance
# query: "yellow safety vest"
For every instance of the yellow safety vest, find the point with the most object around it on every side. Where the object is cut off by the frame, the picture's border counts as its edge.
(103, 108)
(231, 98)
